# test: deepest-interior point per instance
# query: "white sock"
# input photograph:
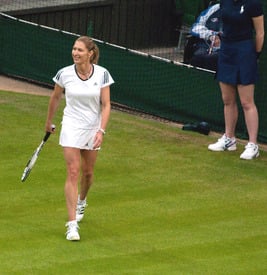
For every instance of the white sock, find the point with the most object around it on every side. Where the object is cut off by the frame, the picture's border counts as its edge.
(81, 201)
(72, 222)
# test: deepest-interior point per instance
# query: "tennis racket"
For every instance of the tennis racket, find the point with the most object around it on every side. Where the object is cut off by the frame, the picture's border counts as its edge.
(35, 155)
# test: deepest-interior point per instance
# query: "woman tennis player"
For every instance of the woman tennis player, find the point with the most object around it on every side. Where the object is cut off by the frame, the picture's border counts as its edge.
(237, 70)
(85, 118)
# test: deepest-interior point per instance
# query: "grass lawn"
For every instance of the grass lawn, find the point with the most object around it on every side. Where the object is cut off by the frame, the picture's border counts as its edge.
(161, 202)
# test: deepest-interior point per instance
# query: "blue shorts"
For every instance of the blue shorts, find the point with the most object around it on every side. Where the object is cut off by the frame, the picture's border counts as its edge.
(237, 63)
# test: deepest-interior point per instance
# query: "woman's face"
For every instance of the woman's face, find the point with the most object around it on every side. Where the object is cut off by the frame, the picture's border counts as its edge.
(80, 53)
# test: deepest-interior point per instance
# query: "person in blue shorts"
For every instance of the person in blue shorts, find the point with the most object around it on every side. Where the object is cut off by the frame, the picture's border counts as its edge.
(237, 70)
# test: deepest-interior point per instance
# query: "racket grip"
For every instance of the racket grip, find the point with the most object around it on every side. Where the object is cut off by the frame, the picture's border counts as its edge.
(47, 135)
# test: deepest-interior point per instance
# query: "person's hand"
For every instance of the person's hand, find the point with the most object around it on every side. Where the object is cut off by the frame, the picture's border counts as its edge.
(215, 40)
(258, 56)
(98, 139)
(49, 127)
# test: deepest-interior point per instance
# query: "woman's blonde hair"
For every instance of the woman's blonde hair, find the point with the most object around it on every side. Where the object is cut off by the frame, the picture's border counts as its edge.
(91, 46)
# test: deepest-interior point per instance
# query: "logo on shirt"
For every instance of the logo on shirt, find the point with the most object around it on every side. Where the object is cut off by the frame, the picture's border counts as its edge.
(106, 77)
(241, 9)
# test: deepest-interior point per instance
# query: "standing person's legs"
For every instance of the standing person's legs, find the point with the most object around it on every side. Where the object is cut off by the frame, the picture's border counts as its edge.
(230, 108)
(88, 163)
(72, 158)
(246, 94)
(227, 141)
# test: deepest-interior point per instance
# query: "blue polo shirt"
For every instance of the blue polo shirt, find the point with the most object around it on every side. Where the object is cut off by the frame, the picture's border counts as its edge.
(237, 18)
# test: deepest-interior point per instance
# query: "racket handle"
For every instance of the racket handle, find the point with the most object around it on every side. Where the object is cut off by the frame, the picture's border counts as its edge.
(47, 135)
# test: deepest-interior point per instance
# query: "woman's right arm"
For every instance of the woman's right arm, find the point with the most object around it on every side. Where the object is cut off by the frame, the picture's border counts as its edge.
(53, 105)
(258, 23)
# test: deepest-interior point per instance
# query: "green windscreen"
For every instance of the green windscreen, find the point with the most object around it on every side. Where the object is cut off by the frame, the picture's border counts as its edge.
(156, 86)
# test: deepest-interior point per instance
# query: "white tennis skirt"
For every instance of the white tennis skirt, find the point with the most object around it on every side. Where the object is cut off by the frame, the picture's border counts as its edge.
(77, 138)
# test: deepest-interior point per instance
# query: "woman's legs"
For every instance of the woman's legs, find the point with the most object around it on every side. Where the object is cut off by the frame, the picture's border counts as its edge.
(87, 167)
(227, 141)
(77, 159)
(230, 108)
(246, 95)
(72, 158)
(88, 163)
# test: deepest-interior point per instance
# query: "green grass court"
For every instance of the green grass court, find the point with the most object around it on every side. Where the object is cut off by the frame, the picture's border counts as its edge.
(161, 202)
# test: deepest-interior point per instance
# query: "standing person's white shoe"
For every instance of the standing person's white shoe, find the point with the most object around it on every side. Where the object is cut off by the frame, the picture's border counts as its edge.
(72, 233)
(251, 151)
(224, 143)
(80, 208)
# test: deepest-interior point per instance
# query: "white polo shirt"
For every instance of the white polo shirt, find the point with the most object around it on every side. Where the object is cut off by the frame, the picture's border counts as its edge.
(83, 106)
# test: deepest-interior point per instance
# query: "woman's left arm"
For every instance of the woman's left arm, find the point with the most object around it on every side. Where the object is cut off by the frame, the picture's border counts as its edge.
(106, 106)
(105, 113)
(258, 23)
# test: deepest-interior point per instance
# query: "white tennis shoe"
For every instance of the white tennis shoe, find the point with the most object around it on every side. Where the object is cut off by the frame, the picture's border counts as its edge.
(80, 208)
(72, 233)
(251, 151)
(224, 143)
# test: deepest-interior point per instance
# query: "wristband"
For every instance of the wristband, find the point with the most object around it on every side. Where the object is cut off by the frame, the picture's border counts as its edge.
(258, 55)
(102, 131)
